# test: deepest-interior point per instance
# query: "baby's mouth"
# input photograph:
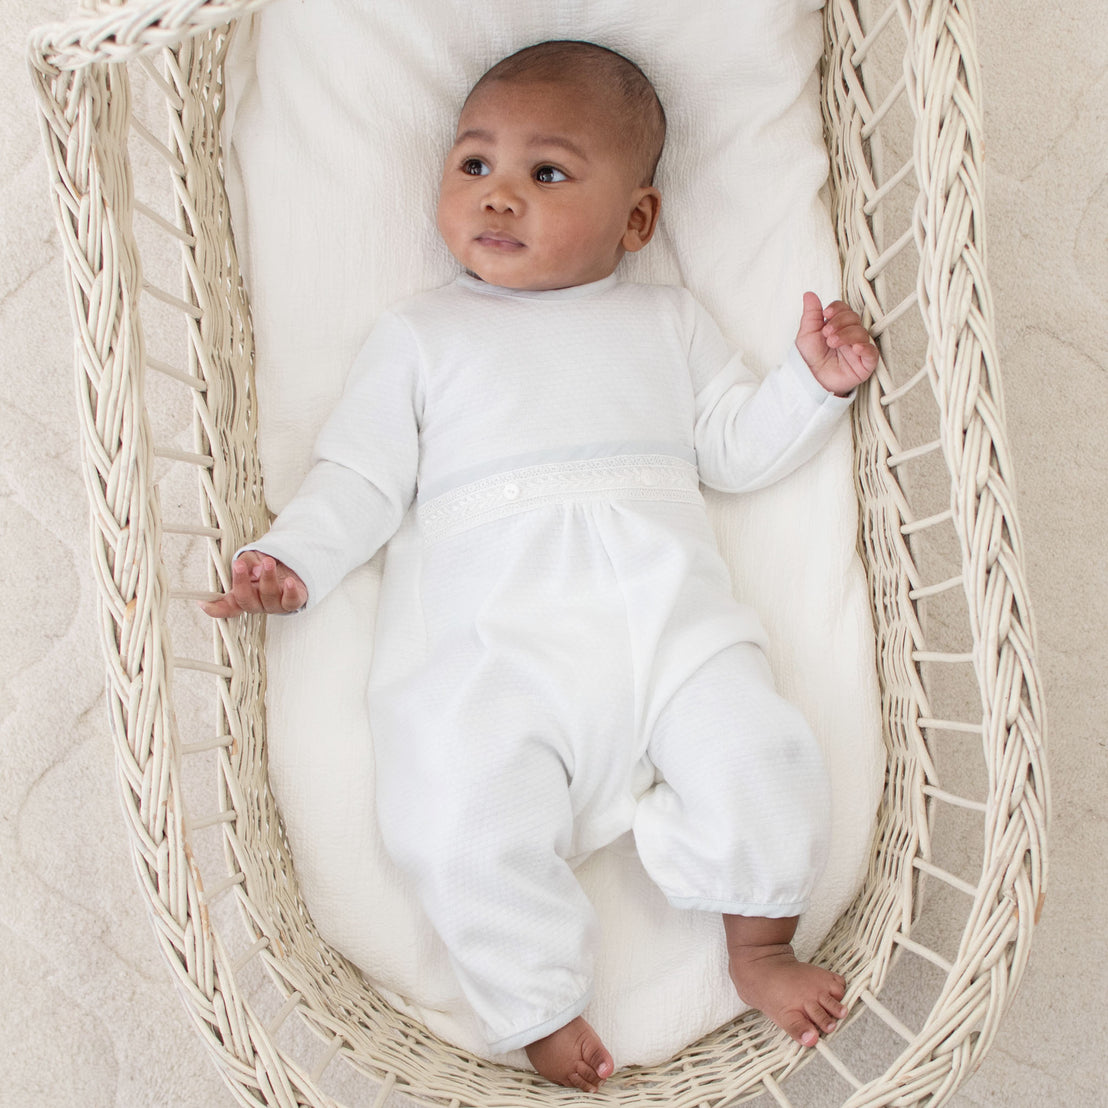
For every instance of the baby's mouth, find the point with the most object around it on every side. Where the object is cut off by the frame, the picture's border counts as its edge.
(498, 240)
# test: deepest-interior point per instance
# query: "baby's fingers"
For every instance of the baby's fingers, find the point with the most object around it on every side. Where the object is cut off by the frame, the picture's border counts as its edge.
(867, 356)
(843, 324)
(224, 608)
(242, 595)
(293, 594)
(840, 314)
(247, 572)
(860, 361)
(267, 585)
(259, 583)
(279, 590)
(846, 333)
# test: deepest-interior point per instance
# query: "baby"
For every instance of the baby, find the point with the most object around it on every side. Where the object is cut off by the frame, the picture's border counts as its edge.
(583, 668)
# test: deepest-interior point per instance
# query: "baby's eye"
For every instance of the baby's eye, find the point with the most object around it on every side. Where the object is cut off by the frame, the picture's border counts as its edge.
(475, 167)
(549, 175)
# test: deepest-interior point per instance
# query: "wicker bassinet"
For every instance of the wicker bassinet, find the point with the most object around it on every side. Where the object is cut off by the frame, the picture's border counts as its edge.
(963, 818)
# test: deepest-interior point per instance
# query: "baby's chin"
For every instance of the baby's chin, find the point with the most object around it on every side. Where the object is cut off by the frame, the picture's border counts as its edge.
(507, 269)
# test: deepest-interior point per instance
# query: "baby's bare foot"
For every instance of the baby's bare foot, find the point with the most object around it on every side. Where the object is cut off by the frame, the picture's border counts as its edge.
(800, 998)
(573, 1056)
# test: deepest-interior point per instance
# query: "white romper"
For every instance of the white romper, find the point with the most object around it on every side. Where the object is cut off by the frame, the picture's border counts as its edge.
(579, 666)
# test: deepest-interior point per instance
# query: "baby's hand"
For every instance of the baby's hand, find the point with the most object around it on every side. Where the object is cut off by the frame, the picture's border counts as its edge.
(836, 346)
(259, 583)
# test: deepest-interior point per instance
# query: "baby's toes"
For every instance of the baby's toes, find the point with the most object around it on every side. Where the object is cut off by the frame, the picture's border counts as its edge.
(599, 1061)
(593, 1068)
(825, 1012)
(832, 999)
(802, 1029)
(587, 1078)
(584, 1078)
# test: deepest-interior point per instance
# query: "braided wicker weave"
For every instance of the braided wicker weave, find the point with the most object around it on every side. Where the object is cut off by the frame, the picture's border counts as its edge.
(287, 1019)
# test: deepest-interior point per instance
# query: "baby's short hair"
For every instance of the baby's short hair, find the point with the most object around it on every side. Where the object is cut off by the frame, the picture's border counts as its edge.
(573, 61)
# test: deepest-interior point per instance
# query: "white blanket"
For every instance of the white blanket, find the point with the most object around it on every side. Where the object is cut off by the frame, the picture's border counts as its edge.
(339, 117)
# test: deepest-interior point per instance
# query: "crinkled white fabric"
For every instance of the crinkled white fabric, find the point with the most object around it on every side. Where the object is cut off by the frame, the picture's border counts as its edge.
(471, 378)
(564, 606)
(593, 646)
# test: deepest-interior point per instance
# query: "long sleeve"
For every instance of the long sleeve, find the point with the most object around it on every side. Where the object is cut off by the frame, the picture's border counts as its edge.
(750, 433)
(364, 467)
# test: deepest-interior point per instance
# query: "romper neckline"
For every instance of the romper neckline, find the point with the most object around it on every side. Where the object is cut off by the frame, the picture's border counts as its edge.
(572, 292)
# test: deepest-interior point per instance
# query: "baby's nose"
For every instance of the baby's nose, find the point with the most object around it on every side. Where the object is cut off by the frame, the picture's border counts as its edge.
(501, 197)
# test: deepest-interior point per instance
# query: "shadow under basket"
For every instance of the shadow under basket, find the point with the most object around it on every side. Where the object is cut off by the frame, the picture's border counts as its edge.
(936, 941)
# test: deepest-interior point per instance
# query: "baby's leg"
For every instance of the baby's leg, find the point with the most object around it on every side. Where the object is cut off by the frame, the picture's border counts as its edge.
(573, 1056)
(738, 825)
(800, 998)
(479, 818)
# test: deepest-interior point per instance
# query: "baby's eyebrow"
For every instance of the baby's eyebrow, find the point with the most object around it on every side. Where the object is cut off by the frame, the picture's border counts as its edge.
(480, 134)
(562, 141)
(474, 134)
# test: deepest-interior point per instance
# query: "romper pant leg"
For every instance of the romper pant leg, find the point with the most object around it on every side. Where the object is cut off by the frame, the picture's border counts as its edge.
(739, 818)
(479, 817)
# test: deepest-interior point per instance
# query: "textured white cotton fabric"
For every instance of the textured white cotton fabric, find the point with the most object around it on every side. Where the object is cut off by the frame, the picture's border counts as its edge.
(339, 118)
(471, 380)
(562, 629)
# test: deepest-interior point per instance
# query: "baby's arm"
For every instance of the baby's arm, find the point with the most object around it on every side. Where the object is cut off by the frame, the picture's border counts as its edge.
(354, 496)
(835, 345)
(750, 433)
(259, 583)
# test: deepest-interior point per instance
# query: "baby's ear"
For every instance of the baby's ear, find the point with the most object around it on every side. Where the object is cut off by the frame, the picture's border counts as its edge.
(643, 220)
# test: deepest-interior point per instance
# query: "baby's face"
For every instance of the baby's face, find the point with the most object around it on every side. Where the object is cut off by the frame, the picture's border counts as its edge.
(537, 192)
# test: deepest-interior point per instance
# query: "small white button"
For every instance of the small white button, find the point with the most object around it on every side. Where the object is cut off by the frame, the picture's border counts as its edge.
(511, 491)
(648, 478)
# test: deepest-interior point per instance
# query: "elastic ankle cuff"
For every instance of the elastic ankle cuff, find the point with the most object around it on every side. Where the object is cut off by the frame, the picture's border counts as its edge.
(739, 907)
(540, 1031)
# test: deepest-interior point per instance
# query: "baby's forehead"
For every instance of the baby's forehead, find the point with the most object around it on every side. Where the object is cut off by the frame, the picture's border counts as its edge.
(566, 98)
(552, 109)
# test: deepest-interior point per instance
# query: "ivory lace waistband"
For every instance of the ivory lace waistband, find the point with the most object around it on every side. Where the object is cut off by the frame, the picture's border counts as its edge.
(621, 477)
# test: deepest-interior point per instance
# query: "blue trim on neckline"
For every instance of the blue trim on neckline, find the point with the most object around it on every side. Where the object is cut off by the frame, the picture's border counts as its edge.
(573, 292)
